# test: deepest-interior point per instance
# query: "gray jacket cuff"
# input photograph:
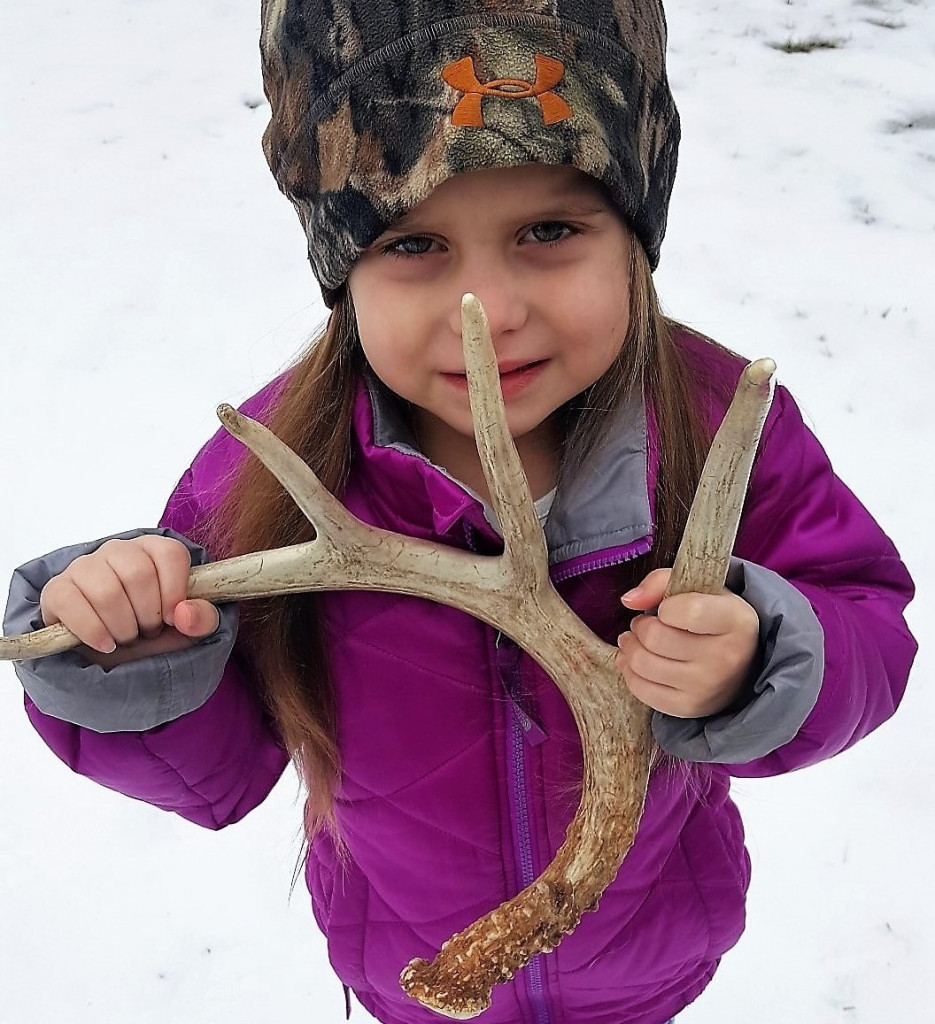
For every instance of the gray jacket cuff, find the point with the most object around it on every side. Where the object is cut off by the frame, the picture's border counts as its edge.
(783, 690)
(133, 697)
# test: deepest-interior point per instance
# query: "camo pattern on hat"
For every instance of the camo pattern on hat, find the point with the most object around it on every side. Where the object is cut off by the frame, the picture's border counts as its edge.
(375, 104)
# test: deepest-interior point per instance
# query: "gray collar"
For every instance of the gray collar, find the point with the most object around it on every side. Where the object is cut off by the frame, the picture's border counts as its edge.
(602, 504)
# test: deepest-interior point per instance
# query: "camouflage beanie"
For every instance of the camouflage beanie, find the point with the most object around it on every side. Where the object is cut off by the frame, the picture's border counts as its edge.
(376, 103)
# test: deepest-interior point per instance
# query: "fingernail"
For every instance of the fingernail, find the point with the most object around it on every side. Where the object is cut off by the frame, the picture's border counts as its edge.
(108, 650)
(630, 594)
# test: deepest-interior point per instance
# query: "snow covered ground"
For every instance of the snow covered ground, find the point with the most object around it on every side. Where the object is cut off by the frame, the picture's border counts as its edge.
(150, 270)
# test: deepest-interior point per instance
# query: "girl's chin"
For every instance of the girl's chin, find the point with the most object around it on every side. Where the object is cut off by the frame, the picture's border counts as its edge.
(451, 428)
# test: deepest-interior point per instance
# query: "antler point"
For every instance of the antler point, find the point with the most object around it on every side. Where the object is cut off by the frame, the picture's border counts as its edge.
(761, 370)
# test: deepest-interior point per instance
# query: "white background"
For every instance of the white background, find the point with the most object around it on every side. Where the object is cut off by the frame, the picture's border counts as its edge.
(150, 270)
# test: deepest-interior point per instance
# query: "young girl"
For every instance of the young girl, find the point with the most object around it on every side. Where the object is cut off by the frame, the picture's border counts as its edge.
(524, 152)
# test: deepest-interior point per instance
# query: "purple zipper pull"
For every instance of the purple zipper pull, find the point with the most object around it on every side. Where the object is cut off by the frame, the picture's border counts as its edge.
(509, 656)
(533, 732)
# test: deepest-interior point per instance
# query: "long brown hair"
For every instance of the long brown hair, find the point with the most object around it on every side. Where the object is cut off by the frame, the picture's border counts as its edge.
(283, 637)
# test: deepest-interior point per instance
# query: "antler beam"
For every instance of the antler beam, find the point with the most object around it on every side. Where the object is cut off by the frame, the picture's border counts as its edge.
(513, 593)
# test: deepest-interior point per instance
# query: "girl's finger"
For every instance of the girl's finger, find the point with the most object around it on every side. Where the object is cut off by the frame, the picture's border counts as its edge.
(173, 565)
(666, 641)
(101, 587)
(675, 675)
(62, 601)
(134, 568)
(708, 614)
(654, 695)
(673, 700)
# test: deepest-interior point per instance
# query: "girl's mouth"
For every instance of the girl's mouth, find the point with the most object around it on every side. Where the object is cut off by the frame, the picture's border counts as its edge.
(514, 377)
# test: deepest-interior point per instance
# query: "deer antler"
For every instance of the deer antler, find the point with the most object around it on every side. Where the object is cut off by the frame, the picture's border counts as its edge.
(512, 592)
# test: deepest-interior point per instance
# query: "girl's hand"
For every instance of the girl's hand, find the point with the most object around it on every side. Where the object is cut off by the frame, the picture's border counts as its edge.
(691, 658)
(127, 601)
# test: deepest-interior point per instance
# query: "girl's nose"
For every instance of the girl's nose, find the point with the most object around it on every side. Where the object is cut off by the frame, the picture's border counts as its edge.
(502, 297)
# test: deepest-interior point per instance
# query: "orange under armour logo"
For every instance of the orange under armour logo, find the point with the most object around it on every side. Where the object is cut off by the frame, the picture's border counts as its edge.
(549, 72)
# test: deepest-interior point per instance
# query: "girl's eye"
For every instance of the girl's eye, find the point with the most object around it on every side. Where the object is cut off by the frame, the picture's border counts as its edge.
(551, 232)
(411, 245)
(547, 232)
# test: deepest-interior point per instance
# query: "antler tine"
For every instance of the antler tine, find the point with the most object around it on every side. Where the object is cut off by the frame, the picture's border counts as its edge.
(510, 496)
(703, 556)
(317, 503)
(41, 643)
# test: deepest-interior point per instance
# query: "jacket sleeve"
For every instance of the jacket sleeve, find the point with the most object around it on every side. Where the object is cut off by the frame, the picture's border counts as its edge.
(131, 697)
(208, 751)
(834, 666)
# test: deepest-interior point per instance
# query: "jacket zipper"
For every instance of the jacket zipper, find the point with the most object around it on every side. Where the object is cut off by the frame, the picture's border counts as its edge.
(631, 552)
(558, 574)
(508, 668)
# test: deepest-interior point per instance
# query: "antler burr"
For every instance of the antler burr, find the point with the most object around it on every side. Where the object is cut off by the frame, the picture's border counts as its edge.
(513, 593)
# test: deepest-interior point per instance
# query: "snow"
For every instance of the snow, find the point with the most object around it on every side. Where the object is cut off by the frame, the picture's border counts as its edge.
(151, 271)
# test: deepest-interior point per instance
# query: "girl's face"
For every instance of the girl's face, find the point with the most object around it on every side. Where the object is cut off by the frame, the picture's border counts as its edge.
(546, 253)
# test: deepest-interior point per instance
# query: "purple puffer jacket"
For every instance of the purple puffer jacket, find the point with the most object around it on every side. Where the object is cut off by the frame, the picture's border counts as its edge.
(461, 761)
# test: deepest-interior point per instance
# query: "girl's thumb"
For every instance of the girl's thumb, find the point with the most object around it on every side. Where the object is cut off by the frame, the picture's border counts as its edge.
(196, 619)
(650, 592)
